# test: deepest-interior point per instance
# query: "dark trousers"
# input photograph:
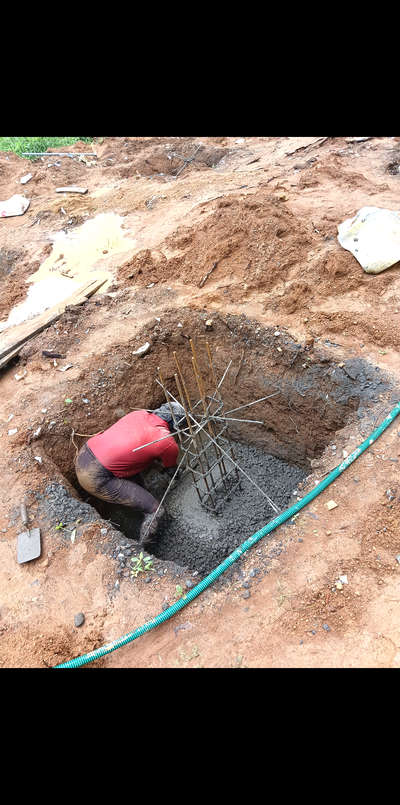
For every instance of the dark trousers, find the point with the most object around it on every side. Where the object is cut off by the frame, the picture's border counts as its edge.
(101, 483)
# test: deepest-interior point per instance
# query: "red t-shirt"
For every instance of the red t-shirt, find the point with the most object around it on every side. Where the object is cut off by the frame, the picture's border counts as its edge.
(113, 448)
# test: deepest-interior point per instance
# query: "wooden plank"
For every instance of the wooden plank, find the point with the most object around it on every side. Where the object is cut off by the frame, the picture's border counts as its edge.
(15, 338)
(10, 355)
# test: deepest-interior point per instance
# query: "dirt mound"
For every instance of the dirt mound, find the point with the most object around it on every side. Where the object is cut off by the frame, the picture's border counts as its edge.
(258, 239)
(152, 158)
(24, 646)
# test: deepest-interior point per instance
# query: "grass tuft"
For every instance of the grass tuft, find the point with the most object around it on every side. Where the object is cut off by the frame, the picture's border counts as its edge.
(20, 144)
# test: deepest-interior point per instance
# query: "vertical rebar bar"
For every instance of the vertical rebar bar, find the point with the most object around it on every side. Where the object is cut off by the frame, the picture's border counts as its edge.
(200, 436)
(199, 381)
(182, 399)
(211, 365)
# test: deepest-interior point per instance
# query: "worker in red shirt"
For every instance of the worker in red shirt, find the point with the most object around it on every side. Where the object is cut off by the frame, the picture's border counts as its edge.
(107, 464)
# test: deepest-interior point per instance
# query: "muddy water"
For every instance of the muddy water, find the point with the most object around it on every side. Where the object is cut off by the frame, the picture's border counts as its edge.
(77, 257)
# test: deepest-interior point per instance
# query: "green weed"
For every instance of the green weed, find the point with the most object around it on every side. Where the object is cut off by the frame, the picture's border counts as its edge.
(140, 564)
(20, 144)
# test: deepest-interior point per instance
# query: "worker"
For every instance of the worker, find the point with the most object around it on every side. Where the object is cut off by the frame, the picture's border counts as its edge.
(108, 465)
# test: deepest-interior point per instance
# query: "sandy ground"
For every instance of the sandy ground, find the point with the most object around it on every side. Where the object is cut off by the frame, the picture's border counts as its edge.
(262, 213)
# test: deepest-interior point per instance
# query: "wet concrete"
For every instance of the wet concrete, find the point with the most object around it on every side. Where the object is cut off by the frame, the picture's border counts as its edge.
(190, 537)
(198, 540)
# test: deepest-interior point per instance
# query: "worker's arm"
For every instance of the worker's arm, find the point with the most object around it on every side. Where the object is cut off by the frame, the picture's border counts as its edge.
(169, 454)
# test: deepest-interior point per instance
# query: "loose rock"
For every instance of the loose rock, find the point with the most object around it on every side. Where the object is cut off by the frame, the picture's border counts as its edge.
(331, 505)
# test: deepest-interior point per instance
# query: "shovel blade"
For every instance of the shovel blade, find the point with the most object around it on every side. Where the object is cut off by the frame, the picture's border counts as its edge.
(28, 546)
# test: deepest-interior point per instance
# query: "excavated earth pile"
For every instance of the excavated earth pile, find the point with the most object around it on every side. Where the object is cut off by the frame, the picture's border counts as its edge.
(230, 241)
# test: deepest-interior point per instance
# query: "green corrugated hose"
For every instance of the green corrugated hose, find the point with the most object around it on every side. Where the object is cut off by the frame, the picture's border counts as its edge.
(204, 583)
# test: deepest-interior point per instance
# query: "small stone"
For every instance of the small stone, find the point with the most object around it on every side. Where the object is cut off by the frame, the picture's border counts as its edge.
(103, 532)
(12, 431)
(398, 558)
(328, 533)
(254, 572)
(142, 350)
(326, 627)
(246, 594)
(339, 585)
(300, 539)
(209, 324)
(147, 580)
(116, 585)
(246, 584)
(165, 605)
(189, 584)
(79, 619)
(331, 505)
(343, 579)
(313, 631)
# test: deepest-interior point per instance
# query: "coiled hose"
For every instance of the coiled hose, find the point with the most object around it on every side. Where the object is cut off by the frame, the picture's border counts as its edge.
(204, 583)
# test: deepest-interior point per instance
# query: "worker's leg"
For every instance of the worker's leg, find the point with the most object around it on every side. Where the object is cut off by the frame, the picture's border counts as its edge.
(101, 483)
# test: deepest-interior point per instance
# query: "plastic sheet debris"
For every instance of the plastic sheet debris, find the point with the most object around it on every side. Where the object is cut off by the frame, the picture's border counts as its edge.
(72, 189)
(142, 350)
(16, 205)
(373, 237)
(26, 178)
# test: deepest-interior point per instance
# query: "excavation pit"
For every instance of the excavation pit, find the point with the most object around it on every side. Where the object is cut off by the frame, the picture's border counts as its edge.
(195, 538)
(312, 394)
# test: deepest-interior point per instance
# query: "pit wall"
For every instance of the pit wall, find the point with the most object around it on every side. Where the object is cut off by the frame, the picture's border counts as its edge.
(315, 394)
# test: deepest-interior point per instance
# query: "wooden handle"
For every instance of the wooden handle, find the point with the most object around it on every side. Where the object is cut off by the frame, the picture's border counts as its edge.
(24, 514)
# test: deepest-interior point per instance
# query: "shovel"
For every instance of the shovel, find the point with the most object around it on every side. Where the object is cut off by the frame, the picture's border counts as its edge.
(28, 546)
